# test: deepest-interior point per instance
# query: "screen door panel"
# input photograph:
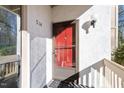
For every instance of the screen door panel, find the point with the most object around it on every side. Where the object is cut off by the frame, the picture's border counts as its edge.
(64, 50)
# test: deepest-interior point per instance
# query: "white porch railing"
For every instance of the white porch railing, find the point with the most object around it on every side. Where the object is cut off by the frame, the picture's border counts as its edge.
(114, 74)
(103, 74)
(8, 67)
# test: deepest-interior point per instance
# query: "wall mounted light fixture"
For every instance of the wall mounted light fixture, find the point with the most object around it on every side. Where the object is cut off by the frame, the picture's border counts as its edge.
(86, 25)
(93, 20)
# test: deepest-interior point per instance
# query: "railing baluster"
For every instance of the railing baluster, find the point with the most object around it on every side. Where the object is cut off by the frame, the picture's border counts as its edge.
(120, 80)
(84, 79)
(106, 76)
(115, 80)
(6, 69)
(87, 79)
(92, 77)
(80, 82)
(95, 78)
(101, 76)
(0, 71)
(13, 67)
(110, 78)
(17, 67)
(9, 67)
(3, 70)
(123, 84)
(98, 77)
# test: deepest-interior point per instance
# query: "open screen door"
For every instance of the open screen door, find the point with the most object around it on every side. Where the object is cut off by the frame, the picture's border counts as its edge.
(9, 47)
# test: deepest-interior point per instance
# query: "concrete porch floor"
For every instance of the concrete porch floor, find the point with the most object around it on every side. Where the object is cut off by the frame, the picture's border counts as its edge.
(11, 82)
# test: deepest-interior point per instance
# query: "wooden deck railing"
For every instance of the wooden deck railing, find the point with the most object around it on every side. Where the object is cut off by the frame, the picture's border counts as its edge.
(8, 67)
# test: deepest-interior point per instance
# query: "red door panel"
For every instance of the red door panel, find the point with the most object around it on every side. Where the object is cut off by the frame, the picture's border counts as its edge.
(64, 45)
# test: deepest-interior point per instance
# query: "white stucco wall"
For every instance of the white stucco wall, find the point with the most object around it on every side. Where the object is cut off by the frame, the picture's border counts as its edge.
(40, 35)
(68, 12)
(95, 45)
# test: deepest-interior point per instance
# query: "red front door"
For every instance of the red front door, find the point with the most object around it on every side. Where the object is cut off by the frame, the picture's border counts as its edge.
(64, 42)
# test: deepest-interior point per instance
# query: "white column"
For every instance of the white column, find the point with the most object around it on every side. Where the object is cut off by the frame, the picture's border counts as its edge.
(25, 52)
(25, 63)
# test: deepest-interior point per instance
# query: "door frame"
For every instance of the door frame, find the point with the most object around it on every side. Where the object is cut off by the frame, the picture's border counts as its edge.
(76, 22)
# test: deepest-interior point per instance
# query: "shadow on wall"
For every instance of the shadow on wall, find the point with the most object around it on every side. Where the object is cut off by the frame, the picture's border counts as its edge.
(86, 26)
(58, 28)
(83, 75)
(40, 60)
(38, 72)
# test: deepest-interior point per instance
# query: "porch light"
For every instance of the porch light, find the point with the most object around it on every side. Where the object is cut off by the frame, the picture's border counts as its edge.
(93, 20)
(86, 25)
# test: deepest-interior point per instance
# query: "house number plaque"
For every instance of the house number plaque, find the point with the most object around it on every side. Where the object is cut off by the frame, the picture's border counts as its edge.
(38, 23)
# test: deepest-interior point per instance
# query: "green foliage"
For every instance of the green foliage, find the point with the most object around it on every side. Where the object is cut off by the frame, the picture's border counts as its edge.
(8, 50)
(119, 55)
